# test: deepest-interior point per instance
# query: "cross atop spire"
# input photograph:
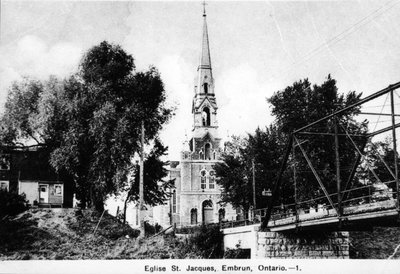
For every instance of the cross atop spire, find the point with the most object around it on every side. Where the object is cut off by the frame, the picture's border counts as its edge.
(204, 7)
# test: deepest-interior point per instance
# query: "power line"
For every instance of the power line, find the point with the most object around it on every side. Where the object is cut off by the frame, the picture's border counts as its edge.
(337, 38)
(365, 20)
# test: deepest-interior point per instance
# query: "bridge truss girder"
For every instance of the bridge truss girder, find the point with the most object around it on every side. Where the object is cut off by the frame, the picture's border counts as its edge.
(294, 142)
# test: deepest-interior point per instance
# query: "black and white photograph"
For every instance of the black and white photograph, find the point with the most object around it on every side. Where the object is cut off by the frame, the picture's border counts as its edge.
(199, 136)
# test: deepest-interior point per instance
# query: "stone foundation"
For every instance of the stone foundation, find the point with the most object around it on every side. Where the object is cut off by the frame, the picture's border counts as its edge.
(311, 245)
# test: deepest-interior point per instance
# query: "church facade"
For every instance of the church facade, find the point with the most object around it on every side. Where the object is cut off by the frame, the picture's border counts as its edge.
(196, 195)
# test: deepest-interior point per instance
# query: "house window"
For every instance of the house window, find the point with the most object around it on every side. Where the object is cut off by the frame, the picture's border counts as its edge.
(57, 190)
(4, 185)
(211, 183)
(4, 162)
(203, 183)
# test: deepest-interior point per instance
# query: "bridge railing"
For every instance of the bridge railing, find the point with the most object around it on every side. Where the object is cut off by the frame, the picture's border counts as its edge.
(368, 194)
(318, 206)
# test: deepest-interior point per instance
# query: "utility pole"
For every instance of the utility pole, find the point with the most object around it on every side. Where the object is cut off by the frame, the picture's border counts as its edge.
(254, 185)
(141, 222)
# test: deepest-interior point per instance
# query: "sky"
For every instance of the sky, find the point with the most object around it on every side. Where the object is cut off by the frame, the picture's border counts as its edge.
(257, 48)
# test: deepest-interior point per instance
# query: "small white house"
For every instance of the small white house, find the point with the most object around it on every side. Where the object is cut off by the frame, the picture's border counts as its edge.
(43, 192)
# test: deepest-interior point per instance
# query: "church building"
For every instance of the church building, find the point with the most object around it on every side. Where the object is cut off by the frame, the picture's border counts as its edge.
(196, 194)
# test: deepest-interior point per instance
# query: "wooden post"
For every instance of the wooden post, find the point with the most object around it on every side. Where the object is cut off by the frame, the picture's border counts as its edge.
(254, 186)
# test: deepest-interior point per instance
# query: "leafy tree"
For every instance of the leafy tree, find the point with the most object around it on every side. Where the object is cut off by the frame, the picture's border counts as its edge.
(11, 203)
(380, 158)
(294, 107)
(156, 187)
(235, 173)
(301, 104)
(91, 121)
(231, 174)
(19, 121)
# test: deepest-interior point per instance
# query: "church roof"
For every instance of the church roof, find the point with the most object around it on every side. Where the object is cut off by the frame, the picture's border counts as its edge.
(205, 135)
(211, 100)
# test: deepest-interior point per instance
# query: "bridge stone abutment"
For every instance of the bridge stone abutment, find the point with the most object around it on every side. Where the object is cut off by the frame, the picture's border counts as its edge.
(310, 245)
(290, 245)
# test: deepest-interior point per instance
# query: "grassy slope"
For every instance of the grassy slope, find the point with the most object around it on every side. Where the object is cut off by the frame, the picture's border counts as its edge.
(68, 234)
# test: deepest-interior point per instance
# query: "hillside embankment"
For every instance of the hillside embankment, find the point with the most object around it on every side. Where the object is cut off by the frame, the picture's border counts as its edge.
(71, 234)
(68, 234)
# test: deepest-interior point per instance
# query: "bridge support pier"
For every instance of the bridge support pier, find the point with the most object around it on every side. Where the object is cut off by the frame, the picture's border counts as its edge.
(321, 245)
(288, 245)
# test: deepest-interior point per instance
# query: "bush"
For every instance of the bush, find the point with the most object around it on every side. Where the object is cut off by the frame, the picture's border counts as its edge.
(12, 203)
(205, 242)
(151, 229)
(238, 253)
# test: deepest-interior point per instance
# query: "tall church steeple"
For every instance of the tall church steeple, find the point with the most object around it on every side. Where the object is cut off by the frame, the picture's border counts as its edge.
(205, 142)
(204, 69)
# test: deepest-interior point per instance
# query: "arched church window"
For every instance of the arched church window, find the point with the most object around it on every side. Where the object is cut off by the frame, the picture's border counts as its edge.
(203, 177)
(193, 216)
(201, 154)
(214, 155)
(174, 202)
(207, 149)
(205, 88)
(211, 182)
(206, 117)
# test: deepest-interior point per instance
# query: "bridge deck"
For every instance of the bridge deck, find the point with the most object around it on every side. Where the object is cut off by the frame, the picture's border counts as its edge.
(372, 214)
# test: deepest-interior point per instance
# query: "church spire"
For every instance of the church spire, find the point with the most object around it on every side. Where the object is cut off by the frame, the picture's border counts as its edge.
(205, 61)
(205, 80)
(205, 140)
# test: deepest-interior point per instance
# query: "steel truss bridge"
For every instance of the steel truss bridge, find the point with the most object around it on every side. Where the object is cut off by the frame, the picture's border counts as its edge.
(354, 197)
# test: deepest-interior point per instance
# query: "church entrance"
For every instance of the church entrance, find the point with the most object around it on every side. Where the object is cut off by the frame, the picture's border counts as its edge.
(207, 212)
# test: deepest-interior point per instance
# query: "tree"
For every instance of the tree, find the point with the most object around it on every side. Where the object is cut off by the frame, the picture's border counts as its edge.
(231, 174)
(380, 158)
(294, 107)
(300, 104)
(91, 121)
(235, 174)
(157, 188)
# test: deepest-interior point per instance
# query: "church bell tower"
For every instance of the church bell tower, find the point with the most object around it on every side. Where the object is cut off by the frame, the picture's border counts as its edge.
(204, 144)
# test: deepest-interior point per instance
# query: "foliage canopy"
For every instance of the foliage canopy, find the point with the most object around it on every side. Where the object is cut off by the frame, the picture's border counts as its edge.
(90, 122)
(293, 107)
